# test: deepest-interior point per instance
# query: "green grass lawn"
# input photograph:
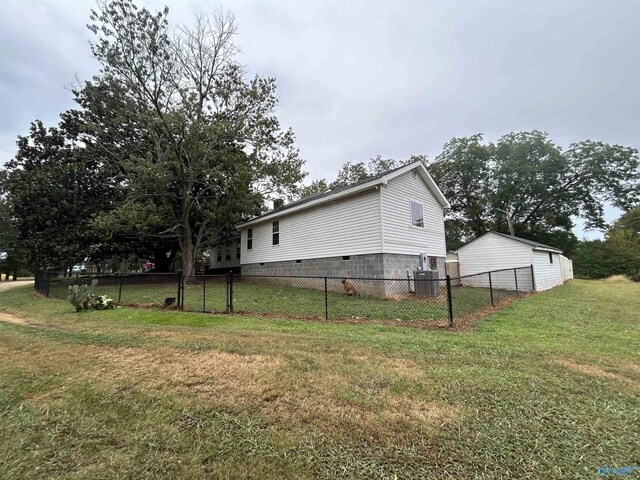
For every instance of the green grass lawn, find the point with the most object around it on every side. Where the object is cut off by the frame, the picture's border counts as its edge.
(546, 388)
(261, 297)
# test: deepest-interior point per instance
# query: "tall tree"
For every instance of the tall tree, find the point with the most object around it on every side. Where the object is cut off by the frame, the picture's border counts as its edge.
(11, 255)
(351, 173)
(54, 189)
(528, 177)
(218, 149)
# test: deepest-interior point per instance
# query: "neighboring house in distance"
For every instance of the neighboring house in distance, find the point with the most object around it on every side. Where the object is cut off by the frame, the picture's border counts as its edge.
(375, 228)
(497, 251)
(225, 256)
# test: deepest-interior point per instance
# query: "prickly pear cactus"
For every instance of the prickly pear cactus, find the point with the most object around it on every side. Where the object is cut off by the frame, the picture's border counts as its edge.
(82, 297)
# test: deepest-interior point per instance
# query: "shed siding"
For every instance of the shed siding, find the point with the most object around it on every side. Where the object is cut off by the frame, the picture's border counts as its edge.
(348, 226)
(493, 252)
(399, 235)
(547, 274)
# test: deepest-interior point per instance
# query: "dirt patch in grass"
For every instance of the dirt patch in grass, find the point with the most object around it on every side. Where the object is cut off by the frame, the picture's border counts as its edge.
(9, 318)
(595, 371)
(618, 279)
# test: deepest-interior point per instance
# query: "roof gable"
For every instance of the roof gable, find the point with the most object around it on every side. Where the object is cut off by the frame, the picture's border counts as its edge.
(343, 192)
(530, 243)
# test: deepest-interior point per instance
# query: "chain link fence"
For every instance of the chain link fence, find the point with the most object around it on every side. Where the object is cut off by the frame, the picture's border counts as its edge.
(406, 300)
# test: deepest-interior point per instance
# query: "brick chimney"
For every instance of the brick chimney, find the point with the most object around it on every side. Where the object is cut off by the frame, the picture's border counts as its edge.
(278, 203)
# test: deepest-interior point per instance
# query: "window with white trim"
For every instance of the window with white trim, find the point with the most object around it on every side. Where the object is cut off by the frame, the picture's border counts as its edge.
(276, 232)
(218, 253)
(238, 251)
(417, 216)
(249, 238)
(227, 252)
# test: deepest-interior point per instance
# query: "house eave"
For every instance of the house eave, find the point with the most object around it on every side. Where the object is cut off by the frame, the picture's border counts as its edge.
(382, 181)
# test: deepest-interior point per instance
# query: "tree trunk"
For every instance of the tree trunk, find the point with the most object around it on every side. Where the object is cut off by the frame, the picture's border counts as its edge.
(162, 260)
(188, 254)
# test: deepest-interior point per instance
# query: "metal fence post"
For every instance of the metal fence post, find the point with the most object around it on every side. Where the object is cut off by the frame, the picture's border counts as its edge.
(449, 301)
(48, 283)
(227, 290)
(326, 300)
(533, 279)
(120, 288)
(491, 288)
(515, 276)
(230, 292)
(179, 297)
(204, 293)
(182, 277)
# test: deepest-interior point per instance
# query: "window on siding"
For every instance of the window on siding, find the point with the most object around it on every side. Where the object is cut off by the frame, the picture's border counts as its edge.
(550, 257)
(219, 253)
(276, 232)
(238, 251)
(227, 252)
(249, 238)
(417, 218)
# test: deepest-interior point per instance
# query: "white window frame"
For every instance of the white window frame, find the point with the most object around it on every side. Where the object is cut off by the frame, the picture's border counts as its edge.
(273, 226)
(249, 238)
(411, 202)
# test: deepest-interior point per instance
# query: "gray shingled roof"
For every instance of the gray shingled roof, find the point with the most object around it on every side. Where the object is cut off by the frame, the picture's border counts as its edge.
(528, 242)
(328, 193)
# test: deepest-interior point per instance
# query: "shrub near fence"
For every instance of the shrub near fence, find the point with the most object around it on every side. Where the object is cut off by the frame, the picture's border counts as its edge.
(406, 300)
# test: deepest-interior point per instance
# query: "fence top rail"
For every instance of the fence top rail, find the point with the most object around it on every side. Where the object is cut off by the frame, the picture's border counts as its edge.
(527, 267)
(72, 276)
(328, 277)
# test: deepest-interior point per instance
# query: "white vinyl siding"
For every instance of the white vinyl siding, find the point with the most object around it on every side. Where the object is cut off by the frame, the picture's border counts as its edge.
(399, 235)
(547, 274)
(566, 268)
(493, 252)
(223, 263)
(349, 226)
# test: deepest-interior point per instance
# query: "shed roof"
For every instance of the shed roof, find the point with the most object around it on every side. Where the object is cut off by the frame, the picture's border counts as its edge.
(531, 243)
(330, 195)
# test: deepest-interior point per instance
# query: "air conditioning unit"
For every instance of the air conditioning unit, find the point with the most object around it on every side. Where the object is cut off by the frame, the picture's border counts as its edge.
(426, 283)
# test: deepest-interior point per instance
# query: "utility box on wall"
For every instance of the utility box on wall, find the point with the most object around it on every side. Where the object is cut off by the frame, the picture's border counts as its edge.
(426, 283)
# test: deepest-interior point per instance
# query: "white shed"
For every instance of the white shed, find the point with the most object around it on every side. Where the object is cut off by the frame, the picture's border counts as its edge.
(497, 251)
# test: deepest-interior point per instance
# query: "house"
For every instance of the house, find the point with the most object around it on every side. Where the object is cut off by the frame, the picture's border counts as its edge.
(497, 251)
(224, 257)
(376, 228)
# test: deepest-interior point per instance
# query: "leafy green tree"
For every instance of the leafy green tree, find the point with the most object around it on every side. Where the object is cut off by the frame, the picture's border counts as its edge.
(316, 187)
(618, 254)
(351, 173)
(54, 189)
(11, 255)
(628, 222)
(528, 177)
(213, 148)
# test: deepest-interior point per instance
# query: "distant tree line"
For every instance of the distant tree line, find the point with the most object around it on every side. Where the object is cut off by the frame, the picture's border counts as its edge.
(170, 146)
(539, 186)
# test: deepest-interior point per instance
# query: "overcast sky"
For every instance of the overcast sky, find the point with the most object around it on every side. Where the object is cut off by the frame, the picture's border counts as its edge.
(357, 79)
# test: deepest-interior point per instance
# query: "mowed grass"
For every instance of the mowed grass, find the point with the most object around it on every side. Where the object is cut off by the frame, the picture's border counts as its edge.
(260, 296)
(548, 387)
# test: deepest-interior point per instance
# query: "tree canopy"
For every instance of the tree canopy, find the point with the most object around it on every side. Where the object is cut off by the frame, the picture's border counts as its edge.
(617, 254)
(530, 178)
(177, 145)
